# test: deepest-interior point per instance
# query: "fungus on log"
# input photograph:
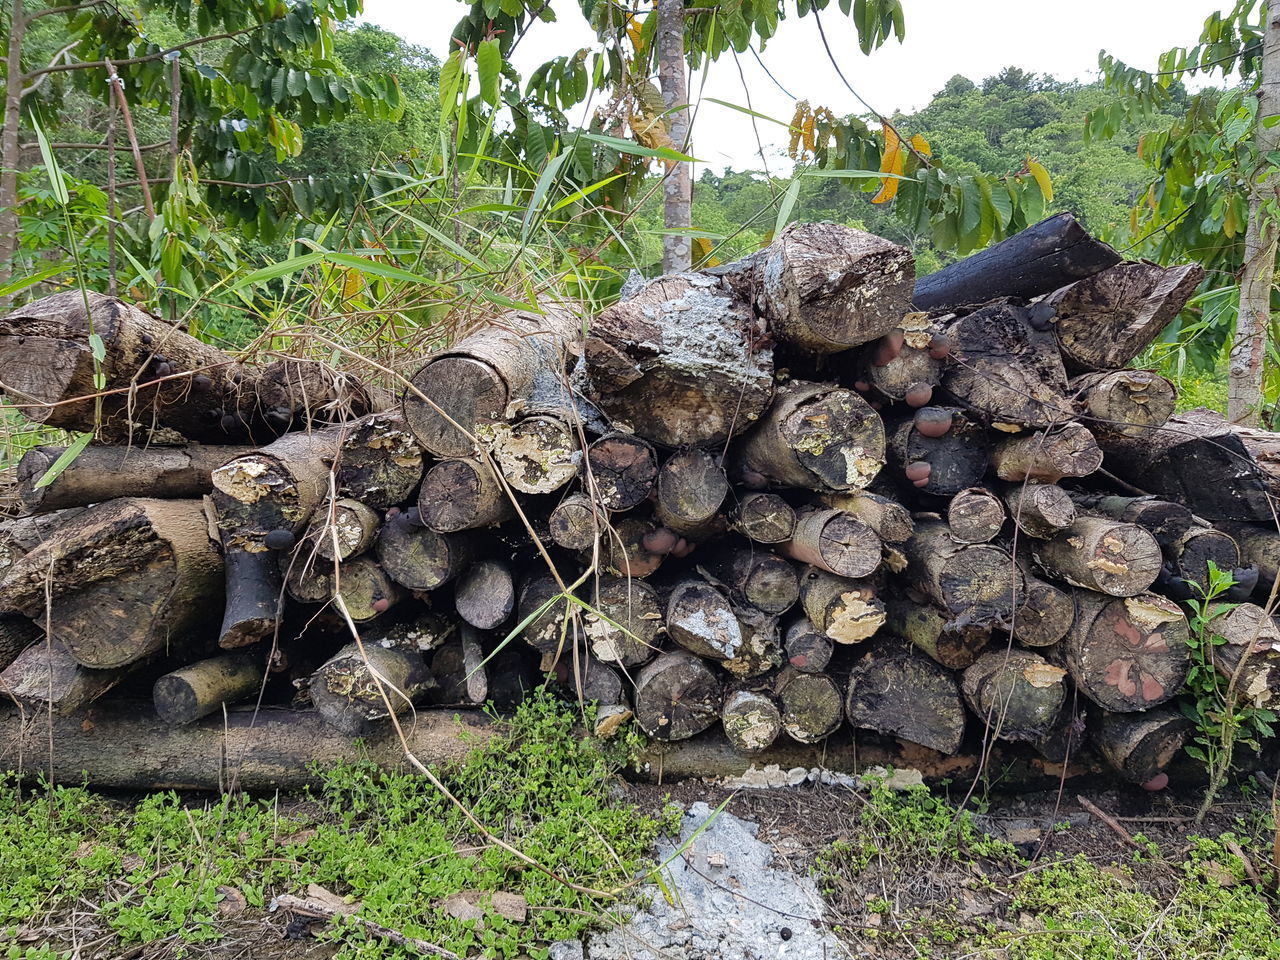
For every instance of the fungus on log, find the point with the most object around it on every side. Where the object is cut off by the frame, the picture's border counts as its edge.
(546, 612)
(1249, 654)
(702, 620)
(843, 610)
(1017, 694)
(913, 371)
(751, 719)
(1126, 403)
(625, 622)
(897, 691)
(1120, 559)
(805, 648)
(365, 589)
(538, 454)
(1260, 547)
(343, 529)
(941, 450)
(625, 546)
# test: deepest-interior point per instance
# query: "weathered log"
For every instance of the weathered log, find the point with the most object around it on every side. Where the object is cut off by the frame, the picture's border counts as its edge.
(575, 522)
(1066, 737)
(764, 518)
(297, 394)
(1190, 554)
(701, 619)
(545, 611)
(1260, 547)
(1046, 456)
(811, 704)
(1249, 654)
(760, 652)
(975, 515)
(623, 470)
(381, 462)
(593, 682)
(824, 288)
(196, 690)
(1163, 520)
(1039, 509)
(1119, 559)
(343, 529)
(691, 489)
(815, 436)
(757, 578)
(418, 558)
(1104, 321)
(307, 577)
(254, 608)
(1004, 365)
(1126, 403)
(625, 550)
(954, 645)
(942, 450)
(805, 648)
(365, 589)
(122, 580)
(910, 371)
(98, 474)
(1017, 694)
(20, 535)
(890, 520)
(751, 719)
(354, 689)
(459, 671)
(1034, 261)
(486, 594)
(843, 610)
(897, 691)
(834, 541)
(677, 696)
(462, 495)
(1126, 654)
(16, 634)
(1139, 746)
(538, 454)
(498, 368)
(973, 583)
(625, 622)
(679, 363)
(45, 678)
(1045, 613)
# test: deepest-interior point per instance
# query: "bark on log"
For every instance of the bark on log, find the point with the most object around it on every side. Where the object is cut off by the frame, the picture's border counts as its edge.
(975, 515)
(691, 489)
(835, 542)
(899, 692)
(626, 624)
(811, 704)
(805, 648)
(352, 690)
(123, 580)
(462, 495)
(758, 579)
(45, 678)
(16, 634)
(623, 469)
(764, 518)
(20, 535)
(890, 520)
(1039, 509)
(954, 459)
(98, 474)
(1045, 614)
(1126, 403)
(751, 720)
(816, 437)
(1250, 636)
(1139, 746)
(1046, 456)
(196, 690)
(1034, 261)
(677, 696)
(497, 369)
(914, 371)
(486, 594)
(459, 672)
(253, 605)
(1126, 654)
(952, 644)
(343, 529)
(679, 363)
(538, 454)
(575, 522)
(1119, 559)
(381, 462)
(1190, 554)
(1017, 694)
(365, 589)
(973, 583)
(1106, 320)
(418, 558)
(843, 610)
(1163, 520)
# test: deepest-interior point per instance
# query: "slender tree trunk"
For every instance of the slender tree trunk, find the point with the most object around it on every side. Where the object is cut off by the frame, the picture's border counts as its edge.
(1257, 278)
(9, 149)
(678, 187)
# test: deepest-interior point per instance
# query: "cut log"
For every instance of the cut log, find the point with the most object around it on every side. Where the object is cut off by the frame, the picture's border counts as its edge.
(1139, 746)
(1017, 694)
(624, 547)
(975, 515)
(1260, 547)
(691, 489)
(751, 720)
(701, 619)
(973, 583)
(1045, 613)
(1126, 403)
(623, 469)
(381, 461)
(1066, 738)
(843, 610)
(20, 535)
(1163, 520)
(1126, 654)
(816, 437)
(1039, 509)
(1047, 456)
(764, 518)
(123, 580)
(811, 704)
(835, 542)
(1004, 365)
(899, 692)
(824, 288)
(45, 678)
(352, 690)
(761, 649)
(952, 644)
(677, 696)
(758, 579)
(805, 648)
(575, 522)
(952, 447)
(680, 363)
(546, 614)
(1119, 559)
(1034, 261)
(625, 623)
(486, 594)
(17, 633)
(890, 520)
(197, 690)
(480, 378)
(1249, 655)
(365, 589)
(98, 474)
(591, 681)
(538, 454)
(912, 371)
(462, 495)
(1189, 555)
(459, 671)
(254, 606)
(1106, 320)
(299, 394)
(343, 529)
(417, 557)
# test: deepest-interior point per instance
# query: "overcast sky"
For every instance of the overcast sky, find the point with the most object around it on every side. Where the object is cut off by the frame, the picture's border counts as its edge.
(975, 38)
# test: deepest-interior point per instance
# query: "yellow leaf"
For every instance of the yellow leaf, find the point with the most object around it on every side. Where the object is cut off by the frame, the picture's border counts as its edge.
(890, 162)
(1229, 223)
(1142, 142)
(797, 128)
(633, 30)
(1042, 178)
(703, 253)
(920, 145)
(1133, 220)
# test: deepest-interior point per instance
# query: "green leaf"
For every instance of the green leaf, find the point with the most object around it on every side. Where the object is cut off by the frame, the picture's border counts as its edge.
(97, 347)
(489, 64)
(295, 82)
(56, 183)
(450, 80)
(31, 279)
(584, 192)
(635, 149)
(65, 459)
(280, 268)
(540, 190)
(749, 113)
(384, 270)
(788, 202)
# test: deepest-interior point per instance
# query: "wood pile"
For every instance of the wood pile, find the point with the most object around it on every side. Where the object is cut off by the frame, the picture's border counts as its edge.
(799, 494)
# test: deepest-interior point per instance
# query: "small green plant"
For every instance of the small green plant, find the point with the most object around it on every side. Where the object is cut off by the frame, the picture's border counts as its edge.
(1222, 719)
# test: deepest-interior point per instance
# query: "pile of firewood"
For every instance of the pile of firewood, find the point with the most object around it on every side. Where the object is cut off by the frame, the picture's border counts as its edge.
(801, 492)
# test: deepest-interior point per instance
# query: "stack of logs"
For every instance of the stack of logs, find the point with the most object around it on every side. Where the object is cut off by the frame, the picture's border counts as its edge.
(801, 492)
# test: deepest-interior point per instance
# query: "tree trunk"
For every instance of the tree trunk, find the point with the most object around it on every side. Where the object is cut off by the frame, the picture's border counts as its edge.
(944, 449)
(46, 678)
(624, 470)
(751, 720)
(842, 610)
(626, 626)
(381, 462)
(1140, 745)
(812, 706)
(462, 495)
(691, 489)
(348, 690)
(1046, 456)
(194, 691)
(764, 518)
(10, 150)
(835, 542)
(677, 187)
(538, 454)
(953, 645)
(677, 696)
(417, 557)
(1126, 403)
(896, 691)
(485, 595)
(1017, 694)
(1118, 559)
(1039, 509)
(254, 588)
(1163, 520)
(974, 583)
(975, 515)
(1045, 614)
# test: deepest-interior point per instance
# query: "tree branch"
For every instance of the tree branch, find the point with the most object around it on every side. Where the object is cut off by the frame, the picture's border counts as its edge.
(27, 91)
(69, 8)
(98, 64)
(91, 146)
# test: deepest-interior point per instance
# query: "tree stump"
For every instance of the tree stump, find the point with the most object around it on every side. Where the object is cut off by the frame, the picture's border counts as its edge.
(691, 489)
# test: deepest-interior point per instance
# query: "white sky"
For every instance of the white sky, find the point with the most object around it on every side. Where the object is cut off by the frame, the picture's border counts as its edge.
(975, 38)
